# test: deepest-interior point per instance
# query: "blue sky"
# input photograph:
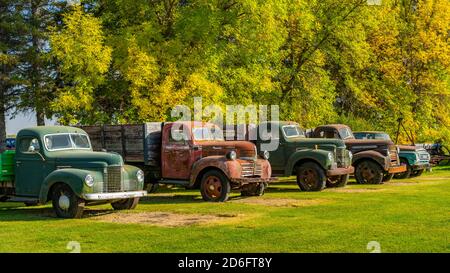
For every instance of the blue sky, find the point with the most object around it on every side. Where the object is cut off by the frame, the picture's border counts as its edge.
(22, 121)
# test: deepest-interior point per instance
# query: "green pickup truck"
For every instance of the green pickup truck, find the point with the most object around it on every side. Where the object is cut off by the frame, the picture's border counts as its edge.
(56, 163)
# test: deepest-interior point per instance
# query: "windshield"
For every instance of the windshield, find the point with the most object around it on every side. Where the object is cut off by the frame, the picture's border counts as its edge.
(346, 133)
(383, 136)
(67, 142)
(207, 133)
(293, 131)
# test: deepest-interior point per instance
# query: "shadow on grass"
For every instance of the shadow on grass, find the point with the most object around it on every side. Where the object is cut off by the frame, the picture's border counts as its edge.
(21, 213)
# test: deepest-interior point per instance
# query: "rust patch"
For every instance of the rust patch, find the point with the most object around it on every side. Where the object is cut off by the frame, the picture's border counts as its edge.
(281, 202)
(165, 219)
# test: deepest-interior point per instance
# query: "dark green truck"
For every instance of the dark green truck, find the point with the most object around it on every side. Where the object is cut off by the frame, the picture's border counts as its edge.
(317, 163)
(56, 163)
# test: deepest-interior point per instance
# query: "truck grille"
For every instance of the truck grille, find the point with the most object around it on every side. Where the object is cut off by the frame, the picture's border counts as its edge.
(342, 158)
(394, 155)
(113, 181)
(251, 169)
(424, 156)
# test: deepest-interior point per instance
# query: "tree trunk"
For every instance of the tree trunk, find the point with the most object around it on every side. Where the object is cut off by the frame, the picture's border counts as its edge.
(40, 118)
(2, 122)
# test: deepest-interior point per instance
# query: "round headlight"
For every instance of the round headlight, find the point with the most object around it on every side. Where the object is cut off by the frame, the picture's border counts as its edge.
(140, 176)
(266, 155)
(231, 155)
(330, 157)
(89, 180)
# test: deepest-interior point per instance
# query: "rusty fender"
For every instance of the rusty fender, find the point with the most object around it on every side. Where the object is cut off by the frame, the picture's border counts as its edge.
(384, 161)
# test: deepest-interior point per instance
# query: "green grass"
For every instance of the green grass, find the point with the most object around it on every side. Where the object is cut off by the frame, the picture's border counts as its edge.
(410, 215)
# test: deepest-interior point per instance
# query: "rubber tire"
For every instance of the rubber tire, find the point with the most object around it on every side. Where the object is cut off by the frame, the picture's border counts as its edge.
(416, 173)
(76, 207)
(125, 204)
(406, 174)
(342, 181)
(257, 190)
(225, 186)
(375, 167)
(319, 184)
(387, 177)
(152, 187)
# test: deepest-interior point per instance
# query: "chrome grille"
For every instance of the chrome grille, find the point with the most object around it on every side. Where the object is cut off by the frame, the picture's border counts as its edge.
(251, 169)
(113, 181)
(342, 159)
(424, 156)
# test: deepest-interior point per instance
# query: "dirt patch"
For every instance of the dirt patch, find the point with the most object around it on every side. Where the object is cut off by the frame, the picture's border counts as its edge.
(281, 202)
(347, 190)
(165, 219)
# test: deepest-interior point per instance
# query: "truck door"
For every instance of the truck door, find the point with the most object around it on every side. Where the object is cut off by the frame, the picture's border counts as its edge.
(176, 156)
(277, 157)
(29, 166)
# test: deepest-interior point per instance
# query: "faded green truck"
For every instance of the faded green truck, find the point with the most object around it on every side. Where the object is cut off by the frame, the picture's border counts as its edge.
(56, 163)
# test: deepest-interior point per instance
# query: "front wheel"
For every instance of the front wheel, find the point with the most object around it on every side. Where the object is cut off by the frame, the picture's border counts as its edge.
(215, 186)
(311, 177)
(66, 203)
(124, 204)
(416, 173)
(369, 172)
(337, 181)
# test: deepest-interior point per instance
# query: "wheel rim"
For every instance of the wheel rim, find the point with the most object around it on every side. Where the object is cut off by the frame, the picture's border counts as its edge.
(367, 173)
(64, 202)
(213, 187)
(308, 177)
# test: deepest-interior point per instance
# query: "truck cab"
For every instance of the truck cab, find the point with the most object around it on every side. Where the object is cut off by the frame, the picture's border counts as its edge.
(416, 159)
(57, 163)
(375, 160)
(317, 163)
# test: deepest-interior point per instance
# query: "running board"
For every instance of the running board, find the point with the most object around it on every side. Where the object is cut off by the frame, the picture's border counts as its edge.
(174, 182)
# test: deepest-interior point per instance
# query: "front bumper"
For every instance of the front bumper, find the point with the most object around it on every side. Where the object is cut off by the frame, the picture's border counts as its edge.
(113, 195)
(341, 171)
(251, 180)
(397, 169)
(421, 166)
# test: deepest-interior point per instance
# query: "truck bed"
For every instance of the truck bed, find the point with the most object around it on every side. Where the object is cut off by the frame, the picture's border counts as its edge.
(136, 143)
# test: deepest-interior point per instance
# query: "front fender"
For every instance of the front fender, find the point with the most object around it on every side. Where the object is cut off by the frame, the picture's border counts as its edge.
(410, 157)
(372, 155)
(219, 162)
(74, 178)
(318, 156)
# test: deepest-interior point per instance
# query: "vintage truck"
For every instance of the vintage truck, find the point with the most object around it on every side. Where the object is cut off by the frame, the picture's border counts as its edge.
(416, 159)
(375, 161)
(56, 163)
(316, 163)
(190, 154)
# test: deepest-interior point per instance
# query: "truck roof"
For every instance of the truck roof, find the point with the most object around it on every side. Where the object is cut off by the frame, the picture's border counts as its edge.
(370, 132)
(337, 126)
(44, 130)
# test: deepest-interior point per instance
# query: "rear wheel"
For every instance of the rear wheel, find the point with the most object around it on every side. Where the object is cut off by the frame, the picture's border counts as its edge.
(337, 181)
(66, 203)
(406, 173)
(310, 177)
(369, 172)
(215, 186)
(124, 204)
(256, 189)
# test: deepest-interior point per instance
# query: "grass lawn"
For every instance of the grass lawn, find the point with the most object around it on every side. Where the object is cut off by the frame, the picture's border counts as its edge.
(410, 215)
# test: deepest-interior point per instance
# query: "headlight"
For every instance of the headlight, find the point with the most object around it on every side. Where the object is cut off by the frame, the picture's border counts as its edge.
(89, 180)
(265, 155)
(140, 176)
(330, 157)
(231, 155)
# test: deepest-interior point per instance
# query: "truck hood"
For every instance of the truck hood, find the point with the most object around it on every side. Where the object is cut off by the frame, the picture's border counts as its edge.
(312, 142)
(86, 158)
(214, 148)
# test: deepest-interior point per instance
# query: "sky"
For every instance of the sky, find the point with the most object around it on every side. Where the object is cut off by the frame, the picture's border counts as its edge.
(21, 121)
